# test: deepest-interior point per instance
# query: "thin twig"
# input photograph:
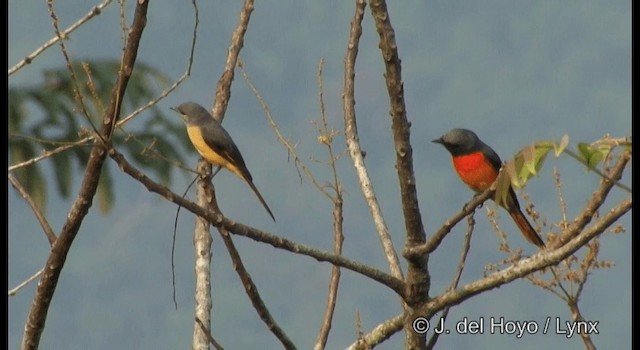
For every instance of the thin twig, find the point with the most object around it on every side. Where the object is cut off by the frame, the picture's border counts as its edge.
(379, 334)
(597, 199)
(466, 246)
(95, 11)
(78, 97)
(575, 156)
(44, 223)
(327, 136)
(291, 148)
(13, 291)
(435, 240)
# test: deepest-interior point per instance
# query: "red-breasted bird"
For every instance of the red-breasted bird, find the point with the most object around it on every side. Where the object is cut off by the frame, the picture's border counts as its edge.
(478, 165)
(215, 145)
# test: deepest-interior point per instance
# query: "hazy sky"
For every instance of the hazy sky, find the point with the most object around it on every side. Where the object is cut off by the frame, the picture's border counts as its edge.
(513, 71)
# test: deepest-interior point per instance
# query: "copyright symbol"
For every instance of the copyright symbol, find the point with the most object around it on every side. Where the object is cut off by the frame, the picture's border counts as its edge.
(420, 325)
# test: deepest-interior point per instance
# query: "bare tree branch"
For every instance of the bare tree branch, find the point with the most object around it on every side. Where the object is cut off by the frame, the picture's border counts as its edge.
(252, 292)
(326, 138)
(437, 237)
(577, 317)
(206, 331)
(202, 244)
(291, 148)
(519, 269)
(223, 89)
(44, 223)
(338, 219)
(597, 199)
(122, 121)
(48, 282)
(418, 280)
(257, 235)
(466, 246)
(353, 143)
(523, 267)
(247, 282)
(13, 291)
(222, 96)
(379, 334)
(95, 11)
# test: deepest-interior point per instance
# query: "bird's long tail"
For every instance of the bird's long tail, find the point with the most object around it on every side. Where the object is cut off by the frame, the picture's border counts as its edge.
(527, 230)
(264, 204)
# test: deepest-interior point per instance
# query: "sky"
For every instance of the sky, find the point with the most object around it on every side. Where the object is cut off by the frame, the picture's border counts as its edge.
(513, 71)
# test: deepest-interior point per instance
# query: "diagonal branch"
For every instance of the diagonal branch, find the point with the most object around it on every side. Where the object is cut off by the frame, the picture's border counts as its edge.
(252, 292)
(223, 89)
(379, 334)
(51, 236)
(524, 267)
(257, 235)
(353, 143)
(466, 246)
(95, 11)
(597, 199)
(437, 238)
(46, 287)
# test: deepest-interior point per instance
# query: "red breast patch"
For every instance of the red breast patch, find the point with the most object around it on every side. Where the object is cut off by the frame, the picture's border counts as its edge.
(475, 171)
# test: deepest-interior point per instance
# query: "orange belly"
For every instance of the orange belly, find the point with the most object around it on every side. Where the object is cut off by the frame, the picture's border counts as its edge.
(208, 153)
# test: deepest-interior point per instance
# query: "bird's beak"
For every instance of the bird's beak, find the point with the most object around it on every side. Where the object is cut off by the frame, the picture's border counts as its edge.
(175, 109)
(438, 140)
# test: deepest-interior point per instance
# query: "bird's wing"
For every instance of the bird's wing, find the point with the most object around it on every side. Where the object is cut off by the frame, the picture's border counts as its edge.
(221, 142)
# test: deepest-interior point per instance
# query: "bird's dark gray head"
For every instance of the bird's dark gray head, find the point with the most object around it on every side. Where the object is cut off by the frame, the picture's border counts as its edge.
(459, 141)
(192, 112)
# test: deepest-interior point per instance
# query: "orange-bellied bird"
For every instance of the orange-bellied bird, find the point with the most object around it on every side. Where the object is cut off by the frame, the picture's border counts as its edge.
(215, 145)
(478, 165)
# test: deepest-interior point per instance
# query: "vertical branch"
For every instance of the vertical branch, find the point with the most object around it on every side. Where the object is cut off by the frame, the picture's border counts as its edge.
(578, 318)
(338, 238)
(49, 280)
(326, 137)
(202, 243)
(353, 143)
(418, 279)
(203, 248)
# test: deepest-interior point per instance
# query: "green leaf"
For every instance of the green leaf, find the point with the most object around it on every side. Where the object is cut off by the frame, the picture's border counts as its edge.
(562, 145)
(592, 156)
